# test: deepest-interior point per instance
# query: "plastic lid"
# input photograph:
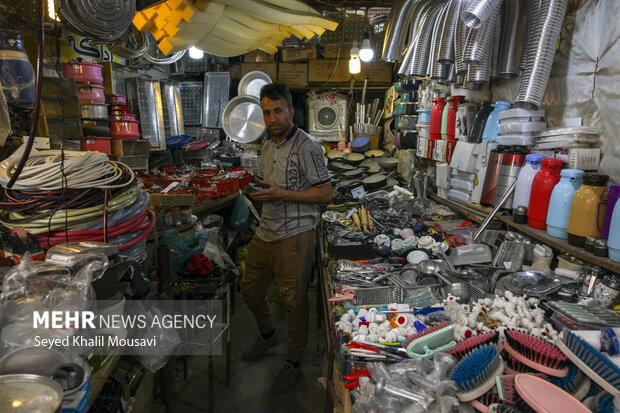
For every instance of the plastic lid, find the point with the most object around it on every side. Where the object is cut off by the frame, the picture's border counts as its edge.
(534, 158)
(572, 173)
(595, 179)
(552, 162)
(609, 341)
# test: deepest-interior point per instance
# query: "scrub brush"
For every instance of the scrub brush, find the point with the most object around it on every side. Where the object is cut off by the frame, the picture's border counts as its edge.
(575, 382)
(475, 374)
(483, 402)
(464, 347)
(425, 343)
(589, 360)
(536, 353)
(606, 404)
(506, 387)
(514, 366)
(503, 408)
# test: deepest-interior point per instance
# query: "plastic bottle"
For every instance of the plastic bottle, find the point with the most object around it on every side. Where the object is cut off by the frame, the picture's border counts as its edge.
(613, 244)
(525, 178)
(561, 200)
(587, 212)
(542, 186)
(490, 128)
(452, 115)
(475, 132)
(436, 115)
(444, 118)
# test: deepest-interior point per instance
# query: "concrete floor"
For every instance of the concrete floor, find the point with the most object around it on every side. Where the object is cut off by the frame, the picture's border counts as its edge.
(251, 381)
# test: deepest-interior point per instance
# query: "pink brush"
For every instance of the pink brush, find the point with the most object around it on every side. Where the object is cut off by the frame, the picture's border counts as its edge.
(536, 353)
(545, 397)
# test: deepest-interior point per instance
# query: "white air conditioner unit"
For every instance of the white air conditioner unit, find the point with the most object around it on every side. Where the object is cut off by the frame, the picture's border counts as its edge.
(326, 113)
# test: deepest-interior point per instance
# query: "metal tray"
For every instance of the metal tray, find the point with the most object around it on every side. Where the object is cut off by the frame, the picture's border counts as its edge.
(243, 119)
(252, 82)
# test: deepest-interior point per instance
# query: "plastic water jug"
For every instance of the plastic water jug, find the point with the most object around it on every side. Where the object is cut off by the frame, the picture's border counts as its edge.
(490, 129)
(542, 186)
(612, 198)
(613, 244)
(452, 115)
(561, 200)
(525, 178)
(587, 212)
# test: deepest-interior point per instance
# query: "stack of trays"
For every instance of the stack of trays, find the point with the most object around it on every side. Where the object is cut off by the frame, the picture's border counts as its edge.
(518, 126)
(461, 185)
(567, 138)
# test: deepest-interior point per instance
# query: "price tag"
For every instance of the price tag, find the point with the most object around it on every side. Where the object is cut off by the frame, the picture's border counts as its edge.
(358, 192)
(170, 187)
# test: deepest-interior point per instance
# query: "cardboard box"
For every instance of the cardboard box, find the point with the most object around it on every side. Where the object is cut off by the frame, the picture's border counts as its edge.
(299, 54)
(336, 50)
(422, 149)
(293, 74)
(328, 71)
(270, 68)
(376, 72)
(258, 56)
(171, 200)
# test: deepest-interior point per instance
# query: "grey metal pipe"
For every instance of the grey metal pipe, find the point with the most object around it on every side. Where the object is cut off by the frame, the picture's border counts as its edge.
(448, 30)
(431, 69)
(497, 38)
(400, 17)
(480, 41)
(462, 31)
(420, 14)
(532, 9)
(421, 46)
(541, 53)
(513, 32)
(489, 218)
(478, 11)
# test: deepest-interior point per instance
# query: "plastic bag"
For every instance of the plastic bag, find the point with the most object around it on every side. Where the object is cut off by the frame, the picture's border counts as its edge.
(180, 250)
(167, 340)
(240, 217)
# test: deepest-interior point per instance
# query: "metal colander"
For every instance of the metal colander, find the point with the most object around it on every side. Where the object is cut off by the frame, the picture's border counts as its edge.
(100, 20)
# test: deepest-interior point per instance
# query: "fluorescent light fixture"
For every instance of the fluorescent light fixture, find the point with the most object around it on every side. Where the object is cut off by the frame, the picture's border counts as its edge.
(195, 53)
(355, 65)
(366, 52)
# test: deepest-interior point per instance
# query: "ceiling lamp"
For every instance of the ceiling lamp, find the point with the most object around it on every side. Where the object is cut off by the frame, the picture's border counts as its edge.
(195, 53)
(366, 53)
(355, 65)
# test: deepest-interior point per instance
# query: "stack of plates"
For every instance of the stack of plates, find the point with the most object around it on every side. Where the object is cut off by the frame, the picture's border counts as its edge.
(518, 126)
(461, 185)
(567, 138)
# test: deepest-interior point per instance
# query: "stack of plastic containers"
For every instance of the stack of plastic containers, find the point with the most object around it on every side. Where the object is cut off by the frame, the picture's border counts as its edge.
(123, 123)
(461, 185)
(518, 126)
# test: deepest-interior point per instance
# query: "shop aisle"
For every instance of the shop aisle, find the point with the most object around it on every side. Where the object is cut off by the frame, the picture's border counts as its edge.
(251, 381)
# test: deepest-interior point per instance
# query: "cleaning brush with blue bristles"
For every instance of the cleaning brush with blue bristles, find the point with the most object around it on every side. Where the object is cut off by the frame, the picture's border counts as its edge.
(591, 361)
(576, 382)
(475, 374)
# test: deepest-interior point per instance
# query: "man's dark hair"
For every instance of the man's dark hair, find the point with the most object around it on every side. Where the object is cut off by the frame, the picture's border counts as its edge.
(276, 91)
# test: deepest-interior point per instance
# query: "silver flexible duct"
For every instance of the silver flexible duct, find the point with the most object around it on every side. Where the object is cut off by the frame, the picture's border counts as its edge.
(462, 31)
(497, 38)
(420, 45)
(541, 53)
(432, 69)
(478, 12)
(513, 31)
(446, 39)
(421, 8)
(394, 42)
(480, 41)
(532, 12)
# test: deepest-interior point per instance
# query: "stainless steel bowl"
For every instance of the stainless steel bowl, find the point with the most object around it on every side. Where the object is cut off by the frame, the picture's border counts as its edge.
(23, 393)
(94, 111)
(252, 82)
(242, 119)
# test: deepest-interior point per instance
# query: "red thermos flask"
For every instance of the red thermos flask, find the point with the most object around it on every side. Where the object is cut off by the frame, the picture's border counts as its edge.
(542, 186)
(436, 117)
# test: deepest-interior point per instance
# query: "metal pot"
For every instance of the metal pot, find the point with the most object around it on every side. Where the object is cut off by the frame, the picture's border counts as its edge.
(94, 111)
(375, 181)
(91, 94)
(83, 71)
(354, 158)
(29, 393)
(124, 129)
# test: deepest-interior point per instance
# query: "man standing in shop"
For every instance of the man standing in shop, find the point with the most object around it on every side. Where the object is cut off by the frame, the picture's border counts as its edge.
(292, 166)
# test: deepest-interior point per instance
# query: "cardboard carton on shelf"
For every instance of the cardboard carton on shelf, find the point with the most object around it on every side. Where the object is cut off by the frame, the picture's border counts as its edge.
(270, 68)
(293, 74)
(334, 71)
(299, 54)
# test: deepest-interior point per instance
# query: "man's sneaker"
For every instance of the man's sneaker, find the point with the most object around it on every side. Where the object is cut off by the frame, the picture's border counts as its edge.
(286, 378)
(259, 347)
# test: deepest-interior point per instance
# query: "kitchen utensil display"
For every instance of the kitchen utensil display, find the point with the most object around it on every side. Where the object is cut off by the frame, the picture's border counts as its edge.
(16, 73)
(28, 393)
(243, 119)
(542, 186)
(436, 116)
(587, 212)
(82, 71)
(475, 133)
(101, 20)
(525, 178)
(511, 166)
(613, 243)
(612, 198)
(490, 127)
(91, 94)
(173, 114)
(561, 200)
(94, 111)
(252, 82)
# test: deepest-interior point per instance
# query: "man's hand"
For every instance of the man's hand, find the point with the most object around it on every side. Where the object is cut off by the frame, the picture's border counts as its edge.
(273, 193)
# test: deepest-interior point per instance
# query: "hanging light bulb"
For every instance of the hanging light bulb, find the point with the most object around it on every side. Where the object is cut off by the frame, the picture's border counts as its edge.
(366, 52)
(355, 65)
(195, 53)
(51, 11)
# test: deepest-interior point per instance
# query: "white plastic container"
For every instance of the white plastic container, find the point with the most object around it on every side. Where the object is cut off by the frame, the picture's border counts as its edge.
(458, 195)
(525, 178)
